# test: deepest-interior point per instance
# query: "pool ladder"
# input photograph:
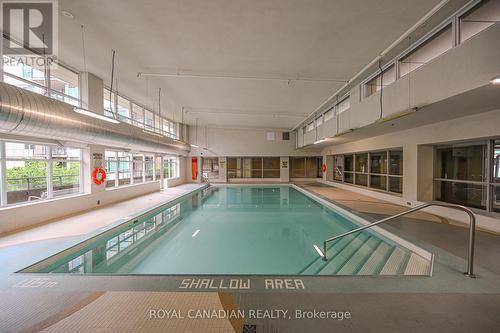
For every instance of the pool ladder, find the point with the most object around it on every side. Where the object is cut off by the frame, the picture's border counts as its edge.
(472, 230)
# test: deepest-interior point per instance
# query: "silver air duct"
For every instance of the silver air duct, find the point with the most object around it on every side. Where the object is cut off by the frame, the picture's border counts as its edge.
(28, 114)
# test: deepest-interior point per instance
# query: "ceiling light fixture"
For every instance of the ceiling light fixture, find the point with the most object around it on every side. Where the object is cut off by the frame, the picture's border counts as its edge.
(95, 115)
(495, 81)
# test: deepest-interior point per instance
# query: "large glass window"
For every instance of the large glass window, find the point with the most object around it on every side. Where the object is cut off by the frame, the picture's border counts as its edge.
(149, 120)
(109, 103)
(66, 171)
(387, 77)
(149, 167)
(482, 16)
(123, 109)
(138, 115)
(210, 167)
(59, 83)
(271, 167)
(28, 167)
(381, 170)
(430, 49)
(170, 167)
(138, 168)
(496, 176)
(111, 168)
(461, 175)
(124, 168)
(306, 167)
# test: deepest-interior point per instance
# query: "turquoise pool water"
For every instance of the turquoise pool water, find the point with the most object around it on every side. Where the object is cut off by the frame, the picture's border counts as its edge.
(233, 230)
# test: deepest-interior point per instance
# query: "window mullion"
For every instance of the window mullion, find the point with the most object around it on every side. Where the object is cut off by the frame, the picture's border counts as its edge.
(50, 190)
(3, 175)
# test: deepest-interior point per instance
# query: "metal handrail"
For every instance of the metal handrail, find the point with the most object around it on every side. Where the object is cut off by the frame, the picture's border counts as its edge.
(472, 230)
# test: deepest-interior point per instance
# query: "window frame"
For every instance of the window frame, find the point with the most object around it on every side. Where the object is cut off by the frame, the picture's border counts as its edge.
(49, 167)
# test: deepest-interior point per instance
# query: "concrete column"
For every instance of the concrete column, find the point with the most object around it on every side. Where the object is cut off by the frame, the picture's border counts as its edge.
(410, 173)
(92, 92)
(96, 158)
(328, 174)
(285, 169)
(425, 173)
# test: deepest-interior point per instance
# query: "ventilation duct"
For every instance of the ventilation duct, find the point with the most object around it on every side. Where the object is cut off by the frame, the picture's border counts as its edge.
(28, 114)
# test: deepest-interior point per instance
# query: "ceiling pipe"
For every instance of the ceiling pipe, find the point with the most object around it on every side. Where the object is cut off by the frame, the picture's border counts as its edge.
(238, 77)
(433, 11)
(32, 115)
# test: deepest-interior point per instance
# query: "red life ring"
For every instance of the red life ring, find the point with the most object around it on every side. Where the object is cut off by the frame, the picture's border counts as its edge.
(99, 176)
(323, 167)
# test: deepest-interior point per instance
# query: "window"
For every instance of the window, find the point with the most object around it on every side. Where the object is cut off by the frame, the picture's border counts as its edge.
(170, 167)
(109, 103)
(253, 167)
(378, 170)
(148, 120)
(111, 168)
(210, 167)
(329, 115)
(58, 82)
(306, 167)
(157, 168)
(387, 77)
(64, 85)
(149, 167)
(123, 110)
(344, 105)
(124, 168)
(28, 167)
(271, 167)
(138, 169)
(461, 175)
(361, 176)
(349, 169)
(430, 49)
(482, 16)
(319, 121)
(66, 171)
(137, 116)
(381, 170)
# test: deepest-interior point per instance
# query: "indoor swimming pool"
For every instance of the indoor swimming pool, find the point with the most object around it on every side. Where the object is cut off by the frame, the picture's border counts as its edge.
(233, 230)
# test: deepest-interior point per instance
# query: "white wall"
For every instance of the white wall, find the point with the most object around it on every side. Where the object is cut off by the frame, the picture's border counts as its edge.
(182, 174)
(417, 151)
(22, 216)
(241, 142)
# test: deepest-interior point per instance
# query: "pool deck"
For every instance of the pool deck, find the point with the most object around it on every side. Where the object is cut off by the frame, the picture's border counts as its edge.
(446, 302)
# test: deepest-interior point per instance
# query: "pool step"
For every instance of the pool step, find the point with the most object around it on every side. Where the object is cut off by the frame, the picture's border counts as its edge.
(360, 257)
(377, 260)
(396, 262)
(417, 265)
(343, 256)
(332, 251)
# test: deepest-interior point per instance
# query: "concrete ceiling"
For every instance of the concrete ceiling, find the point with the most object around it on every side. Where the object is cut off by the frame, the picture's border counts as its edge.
(325, 40)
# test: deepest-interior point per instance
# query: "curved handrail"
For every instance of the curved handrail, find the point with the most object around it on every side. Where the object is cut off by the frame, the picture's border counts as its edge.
(472, 230)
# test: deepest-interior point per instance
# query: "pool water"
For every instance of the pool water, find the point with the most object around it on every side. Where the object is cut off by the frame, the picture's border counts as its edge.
(234, 230)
